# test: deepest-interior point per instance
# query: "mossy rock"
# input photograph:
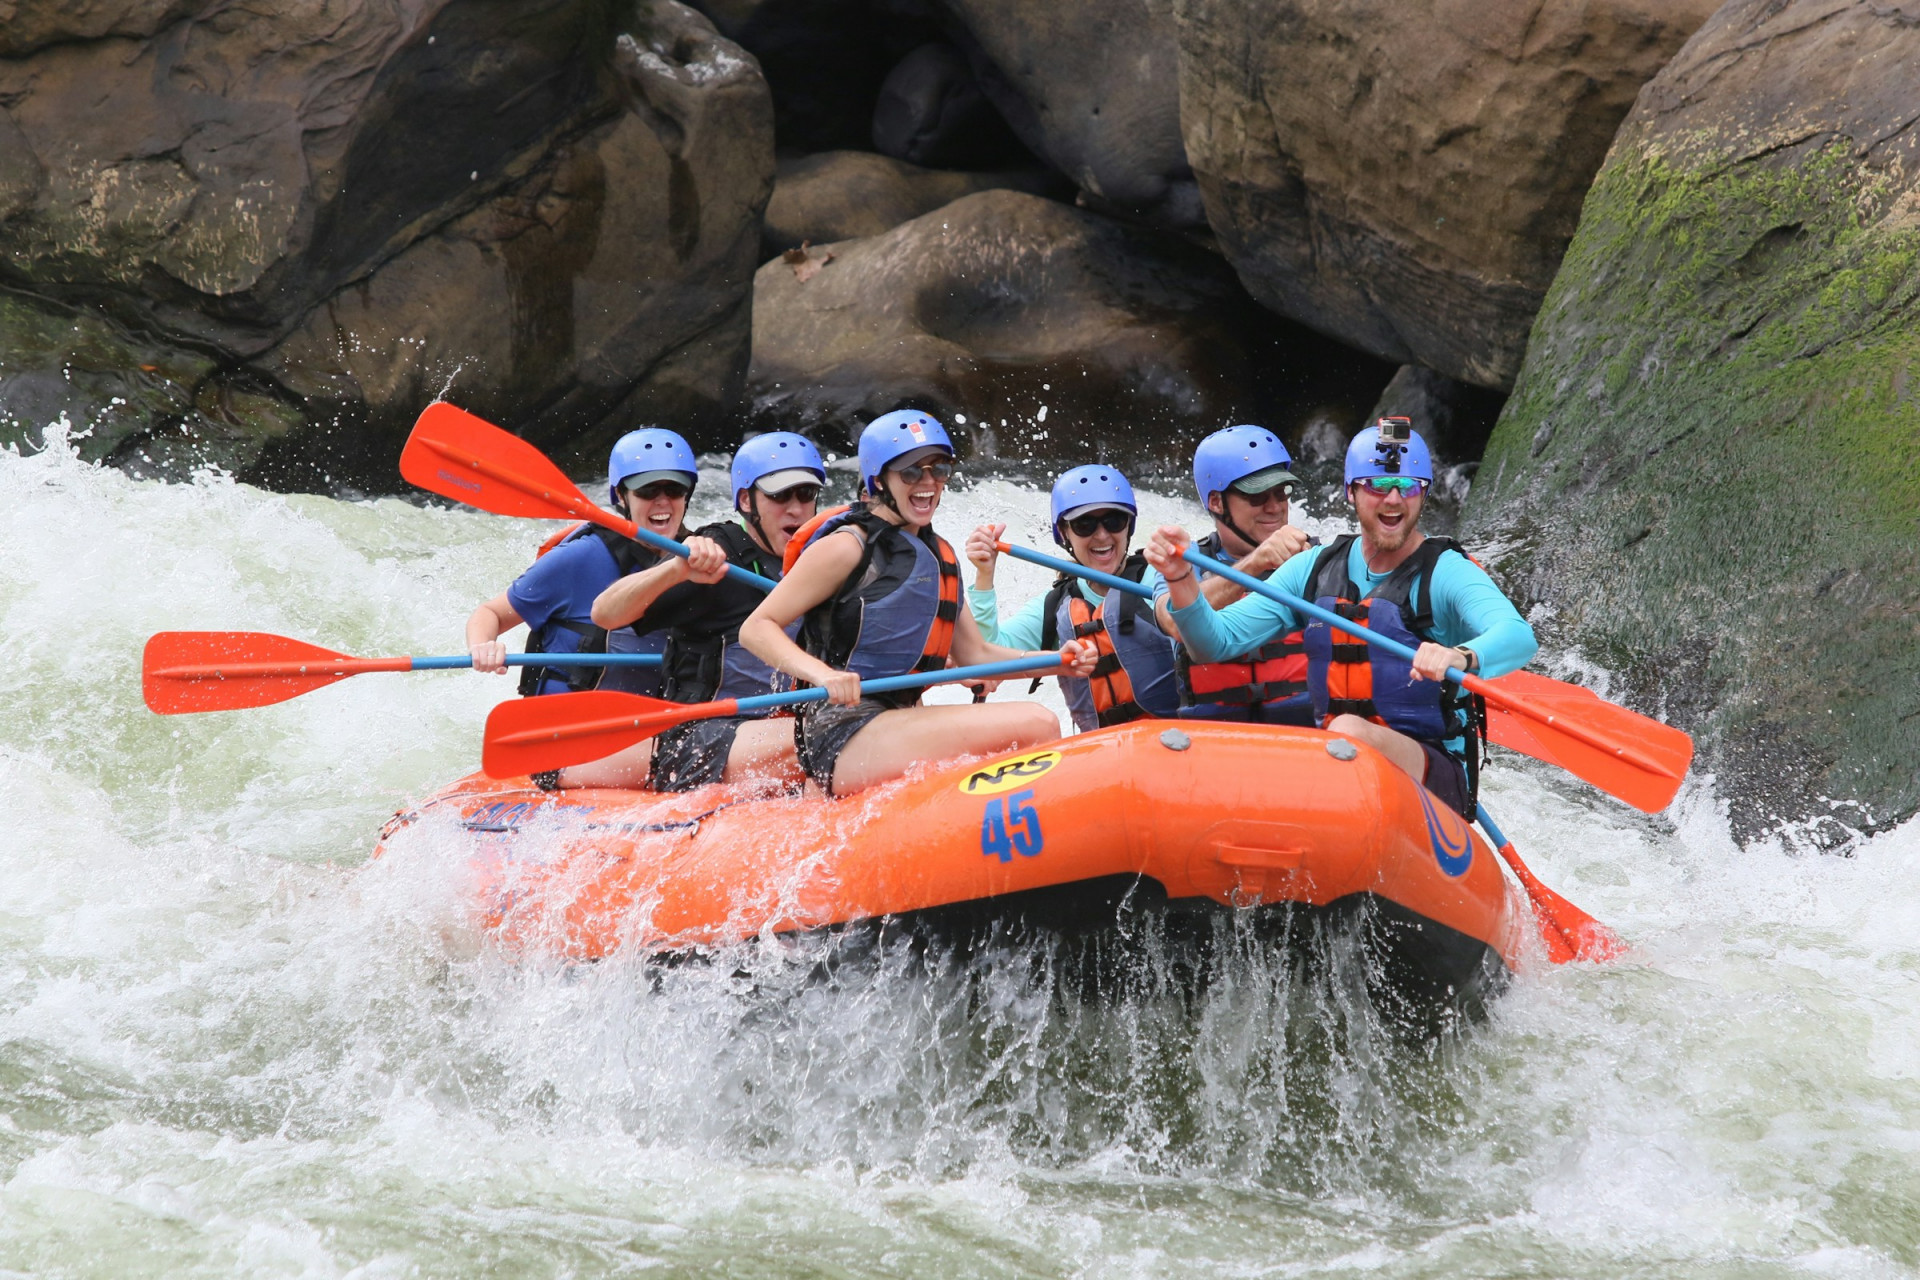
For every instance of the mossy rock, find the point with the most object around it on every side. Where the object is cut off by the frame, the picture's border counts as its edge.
(1710, 465)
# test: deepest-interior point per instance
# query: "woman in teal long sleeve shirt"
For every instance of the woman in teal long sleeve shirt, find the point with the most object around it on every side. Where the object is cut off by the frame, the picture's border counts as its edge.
(1425, 592)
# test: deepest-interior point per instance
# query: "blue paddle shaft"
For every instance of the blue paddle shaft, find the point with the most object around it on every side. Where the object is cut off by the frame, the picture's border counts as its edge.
(745, 576)
(459, 661)
(1487, 825)
(1126, 585)
(1258, 586)
(917, 680)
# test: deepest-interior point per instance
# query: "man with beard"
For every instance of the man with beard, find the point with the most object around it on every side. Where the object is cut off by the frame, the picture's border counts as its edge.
(1424, 592)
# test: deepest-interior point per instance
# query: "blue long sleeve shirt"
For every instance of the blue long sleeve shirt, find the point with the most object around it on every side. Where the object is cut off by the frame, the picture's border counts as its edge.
(1468, 609)
(1024, 629)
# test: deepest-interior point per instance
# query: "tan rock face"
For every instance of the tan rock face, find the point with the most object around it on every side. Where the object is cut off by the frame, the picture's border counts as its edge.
(1004, 299)
(1406, 174)
(345, 202)
(850, 195)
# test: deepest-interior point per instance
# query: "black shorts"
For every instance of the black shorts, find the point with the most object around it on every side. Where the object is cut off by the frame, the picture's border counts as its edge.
(693, 754)
(1447, 779)
(823, 730)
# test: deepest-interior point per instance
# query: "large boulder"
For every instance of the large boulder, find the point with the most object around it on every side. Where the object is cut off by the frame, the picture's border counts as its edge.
(293, 208)
(1405, 174)
(850, 195)
(1093, 88)
(1706, 470)
(1012, 310)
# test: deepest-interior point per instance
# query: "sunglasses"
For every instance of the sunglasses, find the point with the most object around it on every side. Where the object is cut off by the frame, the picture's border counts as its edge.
(914, 473)
(1112, 521)
(1381, 486)
(660, 488)
(1282, 492)
(798, 493)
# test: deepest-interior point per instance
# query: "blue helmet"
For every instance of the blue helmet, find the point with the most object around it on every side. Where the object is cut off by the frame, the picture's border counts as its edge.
(649, 449)
(1369, 455)
(1090, 486)
(891, 435)
(771, 454)
(1234, 453)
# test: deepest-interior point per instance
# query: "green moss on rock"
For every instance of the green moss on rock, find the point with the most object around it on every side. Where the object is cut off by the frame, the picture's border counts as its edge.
(1710, 466)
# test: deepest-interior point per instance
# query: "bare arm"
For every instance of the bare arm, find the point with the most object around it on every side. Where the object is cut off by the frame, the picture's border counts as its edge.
(820, 570)
(484, 626)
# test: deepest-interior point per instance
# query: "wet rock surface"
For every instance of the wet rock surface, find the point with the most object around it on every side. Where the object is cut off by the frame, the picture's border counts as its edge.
(293, 211)
(1705, 471)
(1001, 303)
(1406, 176)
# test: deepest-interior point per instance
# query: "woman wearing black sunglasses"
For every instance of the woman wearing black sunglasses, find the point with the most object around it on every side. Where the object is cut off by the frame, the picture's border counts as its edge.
(877, 593)
(1094, 511)
(650, 475)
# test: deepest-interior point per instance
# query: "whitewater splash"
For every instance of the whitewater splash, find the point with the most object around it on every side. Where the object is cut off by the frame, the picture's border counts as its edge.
(229, 1044)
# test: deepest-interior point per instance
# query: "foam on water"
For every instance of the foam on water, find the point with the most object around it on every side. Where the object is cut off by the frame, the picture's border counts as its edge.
(229, 1044)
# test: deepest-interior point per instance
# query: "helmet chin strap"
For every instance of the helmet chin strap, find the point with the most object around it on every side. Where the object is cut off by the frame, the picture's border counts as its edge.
(752, 518)
(1222, 517)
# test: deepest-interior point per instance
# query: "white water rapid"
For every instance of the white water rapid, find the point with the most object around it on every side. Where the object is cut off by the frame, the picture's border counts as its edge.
(231, 1045)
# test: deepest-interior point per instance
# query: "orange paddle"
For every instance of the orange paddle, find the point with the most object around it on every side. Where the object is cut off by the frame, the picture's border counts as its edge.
(1569, 932)
(188, 671)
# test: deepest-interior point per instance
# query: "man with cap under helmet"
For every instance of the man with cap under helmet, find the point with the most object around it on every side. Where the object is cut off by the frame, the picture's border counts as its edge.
(650, 475)
(776, 483)
(1094, 512)
(1422, 591)
(1244, 477)
(877, 593)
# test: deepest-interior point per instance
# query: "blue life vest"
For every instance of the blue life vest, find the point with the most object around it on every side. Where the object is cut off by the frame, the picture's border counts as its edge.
(895, 612)
(575, 635)
(1346, 675)
(1134, 677)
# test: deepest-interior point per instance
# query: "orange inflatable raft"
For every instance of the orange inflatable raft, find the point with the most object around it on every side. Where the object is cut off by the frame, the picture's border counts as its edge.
(1237, 819)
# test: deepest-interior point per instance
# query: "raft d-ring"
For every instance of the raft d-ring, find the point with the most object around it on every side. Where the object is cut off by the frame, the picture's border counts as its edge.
(1174, 740)
(1341, 749)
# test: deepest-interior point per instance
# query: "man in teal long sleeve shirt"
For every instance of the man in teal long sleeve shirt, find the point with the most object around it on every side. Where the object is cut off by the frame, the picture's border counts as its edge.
(1424, 592)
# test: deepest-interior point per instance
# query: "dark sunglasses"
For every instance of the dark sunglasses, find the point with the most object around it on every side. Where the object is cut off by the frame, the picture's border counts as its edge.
(1284, 492)
(1381, 486)
(798, 493)
(912, 474)
(1113, 521)
(660, 488)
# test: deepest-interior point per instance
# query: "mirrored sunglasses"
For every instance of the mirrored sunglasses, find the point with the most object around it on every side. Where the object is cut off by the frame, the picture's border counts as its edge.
(1381, 486)
(1112, 520)
(660, 488)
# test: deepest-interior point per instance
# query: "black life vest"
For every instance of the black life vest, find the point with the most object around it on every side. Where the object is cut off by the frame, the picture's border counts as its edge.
(700, 668)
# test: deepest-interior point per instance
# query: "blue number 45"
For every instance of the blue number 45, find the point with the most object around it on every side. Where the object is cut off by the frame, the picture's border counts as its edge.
(1010, 826)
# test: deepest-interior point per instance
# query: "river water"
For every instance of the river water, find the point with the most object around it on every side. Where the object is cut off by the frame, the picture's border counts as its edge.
(232, 1045)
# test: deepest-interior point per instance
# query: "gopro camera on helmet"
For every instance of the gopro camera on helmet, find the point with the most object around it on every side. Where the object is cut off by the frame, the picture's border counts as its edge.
(1395, 430)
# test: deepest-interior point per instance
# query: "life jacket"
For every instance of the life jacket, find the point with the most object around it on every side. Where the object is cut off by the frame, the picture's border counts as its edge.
(1348, 676)
(569, 635)
(1134, 676)
(1269, 684)
(700, 668)
(896, 610)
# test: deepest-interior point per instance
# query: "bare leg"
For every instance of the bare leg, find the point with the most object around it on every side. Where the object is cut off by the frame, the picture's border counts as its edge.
(1397, 747)
(763, 751)
(895, 740)
(627, 768)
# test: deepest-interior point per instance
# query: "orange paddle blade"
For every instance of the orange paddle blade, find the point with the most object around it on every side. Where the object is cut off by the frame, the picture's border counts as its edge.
(187, 671)
(457, 455)
(531, 735)
(1624, 753)
(1569, 932)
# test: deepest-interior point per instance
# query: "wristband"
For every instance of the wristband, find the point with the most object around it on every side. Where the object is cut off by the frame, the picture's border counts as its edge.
(1182, 578)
